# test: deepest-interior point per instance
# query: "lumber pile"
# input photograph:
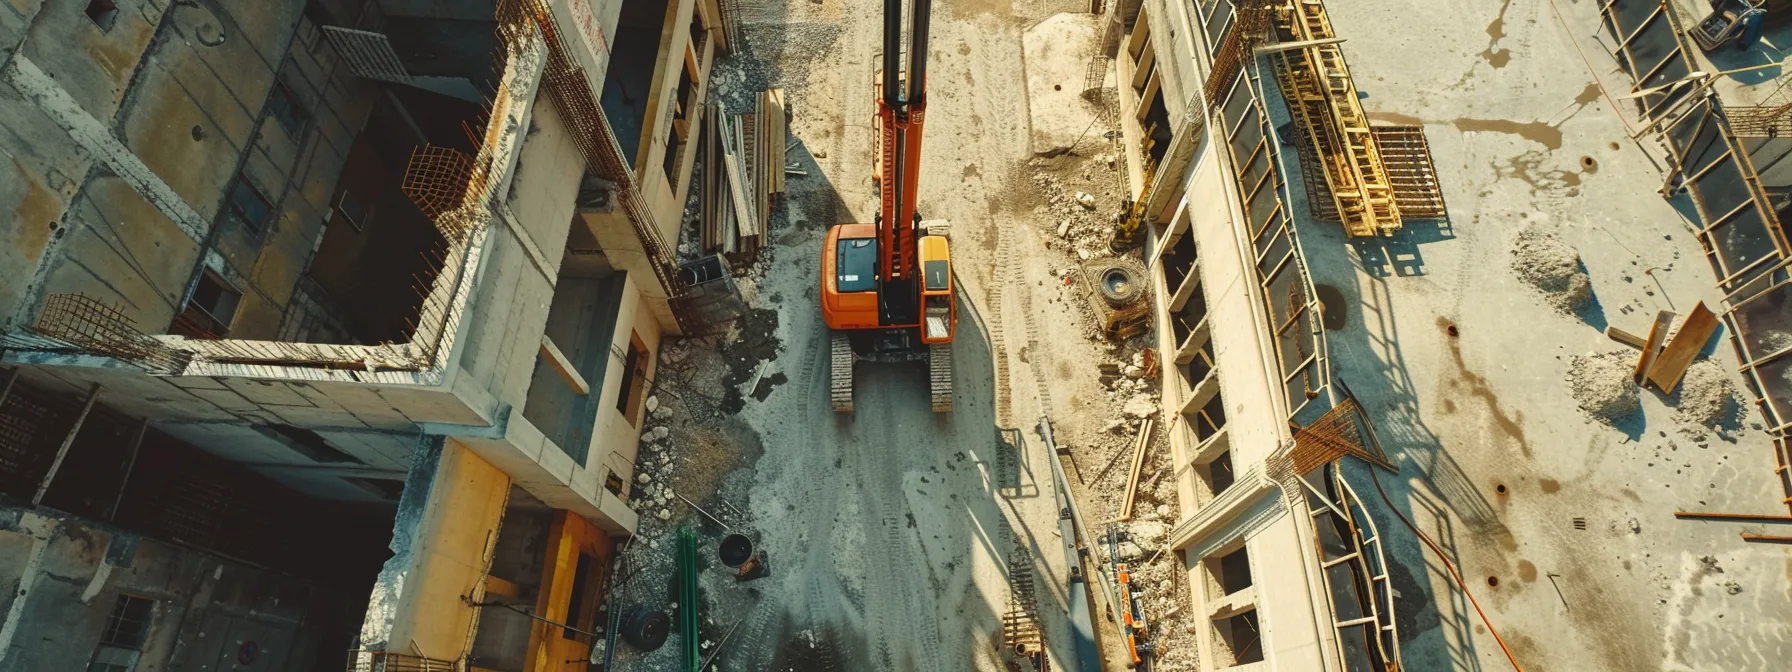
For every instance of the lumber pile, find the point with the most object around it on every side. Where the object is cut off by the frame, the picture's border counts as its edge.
(743, 175)
(1664, 360)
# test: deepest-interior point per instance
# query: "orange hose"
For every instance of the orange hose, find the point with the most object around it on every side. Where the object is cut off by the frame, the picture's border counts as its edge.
(1447, 565)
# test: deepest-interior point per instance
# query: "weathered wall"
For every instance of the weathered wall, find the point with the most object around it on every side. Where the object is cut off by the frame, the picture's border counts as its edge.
(615, 441)
(174, 99)
(63, 576)
(442, 542)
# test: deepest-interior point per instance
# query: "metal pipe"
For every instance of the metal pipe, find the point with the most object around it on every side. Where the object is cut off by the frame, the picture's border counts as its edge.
(1696, 515)
(892, 53)
(67, 442)
(129, 466)
(917, 52)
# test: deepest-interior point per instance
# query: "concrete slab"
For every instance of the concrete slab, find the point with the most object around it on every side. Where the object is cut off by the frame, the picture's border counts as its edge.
(1571, 517)
(1057, 52)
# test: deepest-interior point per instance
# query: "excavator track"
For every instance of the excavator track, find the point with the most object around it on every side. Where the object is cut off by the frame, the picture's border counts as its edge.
(840, 376)
(939, 367)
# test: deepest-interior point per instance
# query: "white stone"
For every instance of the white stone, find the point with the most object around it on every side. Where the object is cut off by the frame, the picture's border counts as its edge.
(1133, 371)
(660, 433)
(1063, 228)
(1163, 511)
(653, 404)
(1129, 551)
(663, 514)
(1148, 534)
(1086, 200)
(644, 479)
(1113, 425)
(1140, 406)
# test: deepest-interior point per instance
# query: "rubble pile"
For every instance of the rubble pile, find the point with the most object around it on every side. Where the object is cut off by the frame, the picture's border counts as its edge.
(1552, 266)
(1603, 384)
(1085, 221)
(1707, 398)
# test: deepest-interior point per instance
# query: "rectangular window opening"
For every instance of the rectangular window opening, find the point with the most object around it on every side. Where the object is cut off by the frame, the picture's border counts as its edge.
(102, 13)
(248, 206)
(129, 622)
(287, 109)
(210, 310)
(634, 381)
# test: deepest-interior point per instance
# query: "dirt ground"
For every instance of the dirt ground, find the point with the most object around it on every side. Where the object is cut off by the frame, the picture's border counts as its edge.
(892, 533)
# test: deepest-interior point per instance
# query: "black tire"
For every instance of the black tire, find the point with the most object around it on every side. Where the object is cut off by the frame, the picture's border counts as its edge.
(646, 629)
(1119, 284)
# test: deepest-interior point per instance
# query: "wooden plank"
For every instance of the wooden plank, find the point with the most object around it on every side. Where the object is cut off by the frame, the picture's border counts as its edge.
(737, 193)
(1626, 337)
(1668, 368)
(1652, 345)
(563, 366)
(1138, 464)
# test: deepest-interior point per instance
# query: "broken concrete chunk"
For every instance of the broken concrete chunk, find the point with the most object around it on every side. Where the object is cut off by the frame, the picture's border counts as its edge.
(1129, 551)
(653, 404)
(660, 433)
(1133, 371)
(1140, 406)
(1148, 534)
(1086, 200)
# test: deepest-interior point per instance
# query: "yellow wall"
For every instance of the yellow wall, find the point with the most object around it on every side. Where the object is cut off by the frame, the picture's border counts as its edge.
(452, 554)
(570, 535)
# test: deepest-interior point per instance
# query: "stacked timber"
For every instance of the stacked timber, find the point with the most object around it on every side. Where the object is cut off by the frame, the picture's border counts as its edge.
(743, 176)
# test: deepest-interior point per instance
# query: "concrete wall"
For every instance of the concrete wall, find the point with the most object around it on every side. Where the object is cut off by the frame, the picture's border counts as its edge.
(62, 577)
(172, 98)
(442, 543)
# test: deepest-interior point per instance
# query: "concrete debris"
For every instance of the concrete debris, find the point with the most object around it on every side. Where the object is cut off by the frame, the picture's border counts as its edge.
(1552, 266)
(660, 433)
(1635, 526)
(1064, 228)
(1705, 396)
(1163, 511)
(663, 515)
(1603, 385)
(1129, 551)
(653, 403)
(1114, 425)
(1148, 534)
(1732, 587)
(1085, 199)
(1140, 406)
(1133, 372)
(643, 478)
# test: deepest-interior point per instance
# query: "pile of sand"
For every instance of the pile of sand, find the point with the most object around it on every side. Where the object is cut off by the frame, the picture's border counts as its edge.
(1602, 384)
(1550, 265)
(1706, 395)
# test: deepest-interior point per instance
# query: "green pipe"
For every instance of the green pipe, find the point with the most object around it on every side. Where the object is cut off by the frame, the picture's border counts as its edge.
(687, 596)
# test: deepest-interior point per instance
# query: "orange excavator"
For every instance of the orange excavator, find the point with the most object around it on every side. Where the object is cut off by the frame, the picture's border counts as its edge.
(886, 287)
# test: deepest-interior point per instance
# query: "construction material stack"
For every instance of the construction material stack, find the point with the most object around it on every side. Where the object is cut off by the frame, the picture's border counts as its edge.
(743, 176)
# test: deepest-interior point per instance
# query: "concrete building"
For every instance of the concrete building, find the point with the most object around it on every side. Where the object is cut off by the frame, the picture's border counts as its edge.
(397, 260)
(1286, 562)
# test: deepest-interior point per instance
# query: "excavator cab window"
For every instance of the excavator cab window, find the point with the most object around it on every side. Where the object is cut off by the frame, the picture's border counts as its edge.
(856, 265)
(938, 274)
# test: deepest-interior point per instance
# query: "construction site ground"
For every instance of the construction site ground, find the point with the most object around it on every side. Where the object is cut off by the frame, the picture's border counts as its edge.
(892, 533)
(1468, 372)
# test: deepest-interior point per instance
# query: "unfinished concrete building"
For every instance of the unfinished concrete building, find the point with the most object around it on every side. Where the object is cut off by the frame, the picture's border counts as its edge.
(390, 274)
(1219, 155)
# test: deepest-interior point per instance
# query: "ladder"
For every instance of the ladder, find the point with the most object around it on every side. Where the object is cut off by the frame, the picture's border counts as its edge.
(1321, 96)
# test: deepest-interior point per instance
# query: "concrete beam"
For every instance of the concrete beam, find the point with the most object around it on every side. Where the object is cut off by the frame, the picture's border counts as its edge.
(564, 367)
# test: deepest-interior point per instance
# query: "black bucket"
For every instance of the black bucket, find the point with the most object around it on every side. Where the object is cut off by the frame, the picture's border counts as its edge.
(736, 549)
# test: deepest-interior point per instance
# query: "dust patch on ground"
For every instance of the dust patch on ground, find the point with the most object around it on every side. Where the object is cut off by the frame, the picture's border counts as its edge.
(1553, 267)
(1602, 383)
